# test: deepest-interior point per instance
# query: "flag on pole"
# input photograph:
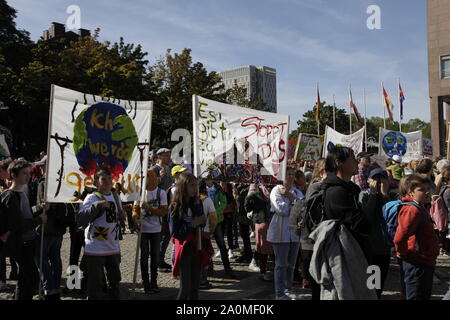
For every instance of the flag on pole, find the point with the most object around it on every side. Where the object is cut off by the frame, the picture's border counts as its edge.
(318, 105)
(389, 105)
(355, 109)
(402, 99)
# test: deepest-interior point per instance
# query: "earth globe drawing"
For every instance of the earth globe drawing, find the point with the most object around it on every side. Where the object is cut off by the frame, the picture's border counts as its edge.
(104, 135)
(394, 143)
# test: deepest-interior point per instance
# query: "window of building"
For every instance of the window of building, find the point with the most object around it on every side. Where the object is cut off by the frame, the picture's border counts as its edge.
(445, 66)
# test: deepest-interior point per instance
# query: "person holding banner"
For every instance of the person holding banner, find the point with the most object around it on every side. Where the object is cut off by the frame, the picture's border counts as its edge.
(285, 242)
(18, 235)
(185, 217)
(101, 213)
(154, 210)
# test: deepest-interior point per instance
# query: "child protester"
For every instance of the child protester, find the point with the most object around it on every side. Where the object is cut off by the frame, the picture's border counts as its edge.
(415, 241)
(101, 213)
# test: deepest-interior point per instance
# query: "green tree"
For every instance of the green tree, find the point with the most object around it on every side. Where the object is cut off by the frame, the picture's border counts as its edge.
(237, 95)
(117, 71)
(177, 79)
(309, 124)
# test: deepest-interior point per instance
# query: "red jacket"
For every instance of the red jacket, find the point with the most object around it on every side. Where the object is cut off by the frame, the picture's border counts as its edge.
(415, 240)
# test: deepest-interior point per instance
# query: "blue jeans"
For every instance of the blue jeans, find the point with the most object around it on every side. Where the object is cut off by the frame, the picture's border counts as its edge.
(418, 280)
(220, 240)
(285, 258)
(52, 264)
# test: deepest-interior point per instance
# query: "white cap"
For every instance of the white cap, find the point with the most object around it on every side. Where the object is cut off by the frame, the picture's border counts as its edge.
(397, 158)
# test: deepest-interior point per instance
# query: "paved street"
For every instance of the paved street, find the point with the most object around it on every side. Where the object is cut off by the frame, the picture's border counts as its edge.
(246, 287)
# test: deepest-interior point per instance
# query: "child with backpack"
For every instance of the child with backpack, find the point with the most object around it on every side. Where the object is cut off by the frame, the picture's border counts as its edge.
(101, 213)
(154, 209)
(415, 241)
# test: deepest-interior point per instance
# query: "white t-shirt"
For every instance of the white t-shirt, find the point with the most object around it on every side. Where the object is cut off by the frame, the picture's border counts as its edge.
(151, 223)
(208, 208)
(102, 235)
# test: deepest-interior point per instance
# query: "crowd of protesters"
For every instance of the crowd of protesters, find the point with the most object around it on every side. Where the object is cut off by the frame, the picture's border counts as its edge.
(322, 227)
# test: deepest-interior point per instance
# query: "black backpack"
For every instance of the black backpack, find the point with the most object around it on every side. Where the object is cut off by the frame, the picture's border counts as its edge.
(65, 215)
(307, 214)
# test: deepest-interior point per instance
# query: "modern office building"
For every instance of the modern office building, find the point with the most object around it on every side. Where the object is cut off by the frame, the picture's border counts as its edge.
(439, 71)
(259, 81)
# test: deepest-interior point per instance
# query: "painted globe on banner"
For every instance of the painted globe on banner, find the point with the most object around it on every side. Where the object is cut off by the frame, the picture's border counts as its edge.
(104, 134)
(394, 143)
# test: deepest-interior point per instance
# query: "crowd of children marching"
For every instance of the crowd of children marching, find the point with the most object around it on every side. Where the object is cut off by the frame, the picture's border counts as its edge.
(323, 227)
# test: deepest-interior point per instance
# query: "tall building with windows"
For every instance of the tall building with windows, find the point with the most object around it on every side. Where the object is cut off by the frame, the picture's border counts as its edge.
(259, 81)
(439, 71)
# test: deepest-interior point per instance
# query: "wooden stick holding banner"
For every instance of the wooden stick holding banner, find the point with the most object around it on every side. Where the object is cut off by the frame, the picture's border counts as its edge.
(194, 122)
(46, 187)
(143, 198)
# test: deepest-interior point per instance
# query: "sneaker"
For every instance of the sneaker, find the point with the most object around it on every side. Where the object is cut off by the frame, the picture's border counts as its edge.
(265, 277)
(154, 287)
(283, 297)
(2, 285)
(217, 254)
(205, 285)
(230, 254)
(146, 287)
(253, 267)
(243, 259)
(164, 267)
(291, 294)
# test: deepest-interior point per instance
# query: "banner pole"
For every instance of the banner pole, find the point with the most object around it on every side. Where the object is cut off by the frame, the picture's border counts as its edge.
(141, 218)
(365, 119)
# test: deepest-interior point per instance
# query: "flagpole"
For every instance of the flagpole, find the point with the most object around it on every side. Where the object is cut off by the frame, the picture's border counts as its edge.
(350, 106)
(365, 118)
(399, 106)
(384, 104)
(334, 113)
(318, 110)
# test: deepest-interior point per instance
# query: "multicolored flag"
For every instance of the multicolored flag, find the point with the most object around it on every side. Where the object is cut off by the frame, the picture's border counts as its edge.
(389, 105)
(355, 109)
(402, 99)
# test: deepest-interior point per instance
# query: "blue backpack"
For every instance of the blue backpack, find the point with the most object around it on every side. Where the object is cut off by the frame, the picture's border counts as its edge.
(390, 218)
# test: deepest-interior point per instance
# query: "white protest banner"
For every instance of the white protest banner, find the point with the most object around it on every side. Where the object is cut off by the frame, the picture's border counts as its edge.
(86, 131)
(4, 150)
(353, 141)
(406, 145)
(309, 147)
(226, 134)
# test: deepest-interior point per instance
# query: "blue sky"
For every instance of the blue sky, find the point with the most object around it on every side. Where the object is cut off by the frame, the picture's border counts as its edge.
(307, 41)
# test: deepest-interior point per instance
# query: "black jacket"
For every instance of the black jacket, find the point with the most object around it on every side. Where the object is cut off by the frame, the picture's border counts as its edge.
(12, 220)
(260, 205)
(342, 203)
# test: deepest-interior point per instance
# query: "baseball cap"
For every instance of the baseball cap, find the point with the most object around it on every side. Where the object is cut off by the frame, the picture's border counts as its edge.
(162, 150)
(377, 171)
(363, 154)
(397, 158)
(178, 169)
